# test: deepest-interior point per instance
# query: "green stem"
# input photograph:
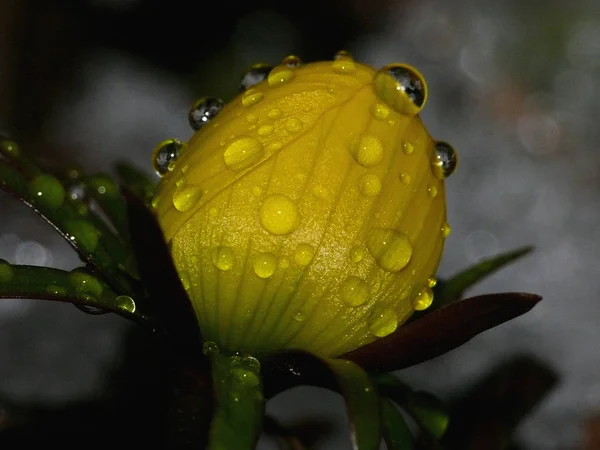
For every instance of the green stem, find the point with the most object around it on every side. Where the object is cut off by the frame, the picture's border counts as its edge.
(239, 402)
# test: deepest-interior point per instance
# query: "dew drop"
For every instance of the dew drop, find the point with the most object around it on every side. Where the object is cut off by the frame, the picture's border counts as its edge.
(299, 316)
(405, 178)
(401, 87)
(284, 263)
(165, 154)
(445, 160)
(280, 75)
(342, 54)
(432, 191)
(250, 363)
(84, 234)
(304, 254)
(446, 230)
(370, 185)
(408, 147)
(379, 111)
(257, 191)
(274, 113)
(6, 271)
(368, 151)
(245, 377)
(210, 348)
(126, 303)
(265, 130)
(55, 289)
(356, 254)
(391, 249)
(251, 97)
(203, 110)
(243, 153)
(265, 265)
(384, 323)
(431, 282)
(185, 280)
(279, 215)
(320, 192)
(185, 198)
(85, 283)
(293, 124)
(343, 64)
(254, 75)
(423, 299)
(9, 147)
(291, 61)
(47, 191)
(354, 291)
(223, 258)
(155, 201)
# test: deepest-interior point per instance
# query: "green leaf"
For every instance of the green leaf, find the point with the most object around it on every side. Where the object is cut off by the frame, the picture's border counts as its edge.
(137, 182)
(78, 287)
(428, 411)
(396, 433)
(88, 234)
(441, 331)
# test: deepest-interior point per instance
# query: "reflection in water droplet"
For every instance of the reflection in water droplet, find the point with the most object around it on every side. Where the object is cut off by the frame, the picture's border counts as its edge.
(279, 215)
(203, 110)
(291, 61)
(210, 348)
(265, 265)
(280, 75)
(6, 271)
(251, 97)
(304, 254)
(54, 289)
(342, 54)
(242, 153)
(391, 249)
(445, 160)
(223, 258)
(126, 303)
(293, 124)
(255, 74)
(165, 154)
(379, 111)
(401, 87)
(356, 254)
(186, 198)
(423, 299)
(47, 191)
(384, 323)
(405, 178)
(368, 151)
(354, 291)
(370, 185)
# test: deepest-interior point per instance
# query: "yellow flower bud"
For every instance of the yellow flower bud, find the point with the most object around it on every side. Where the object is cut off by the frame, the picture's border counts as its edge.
(309, 212)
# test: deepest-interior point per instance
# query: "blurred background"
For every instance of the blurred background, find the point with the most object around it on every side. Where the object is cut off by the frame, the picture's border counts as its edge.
(513, 85)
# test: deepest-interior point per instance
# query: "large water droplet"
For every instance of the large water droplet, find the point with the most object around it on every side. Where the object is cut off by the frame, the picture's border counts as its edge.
(354, 291)
(126, 303)
(185, 198)
(83, 233)
(401, 87)
(367, 151)
(280, 75)
(223, 258)
(251, 97)
(445, 160)
(304, 254)
(431, 282)
(184, 277)
(165, 154)
(291, 61)
(265, 265)
(85, 283)
(47, 191)
(6, 271)
(299, 316)
(203, 110)
(343, 63)
(370, 184)
(384, 323)
(423, 299)
(254, 75)
(243, 153)
(391, 249)
(279, 214)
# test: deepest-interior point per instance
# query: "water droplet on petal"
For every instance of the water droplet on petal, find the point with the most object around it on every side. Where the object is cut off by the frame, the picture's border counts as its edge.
(370, 185)
(299, 316)
(223, 258)
(6, 271)
(55, 289)
(354, 291)
(401, 87)
(47, 191)
(291, 61)
(257, 73)
(342, 54)
(445, 160)
(210, 348)
(243, 153)
(368, 151)
(185, 198)
(279, 215)
(126, 303)
(446, 230)
(423, 299)
(85, 283)
(251, 97)
(431, 282)
(356, 254)
(265, 130)
(304, 254)
(391, 249)
(203, 110)
(379, 111)
(293, 124)
(408, 147)
(432, 191)
(280, 75)
(274, 113)
(343, 64)
(265, 265)
(384, 323)
(165, 154)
